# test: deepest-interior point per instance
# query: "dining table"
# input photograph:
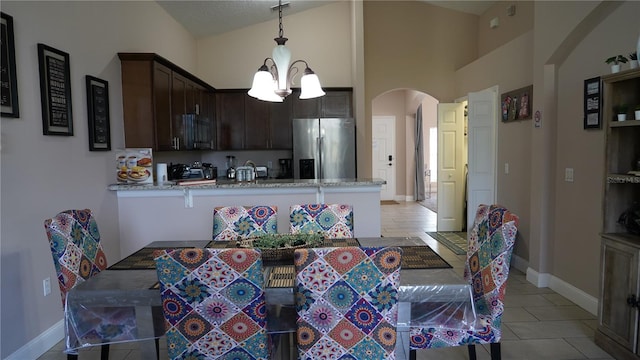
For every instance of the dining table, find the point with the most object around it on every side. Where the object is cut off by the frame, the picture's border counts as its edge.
(431, 293)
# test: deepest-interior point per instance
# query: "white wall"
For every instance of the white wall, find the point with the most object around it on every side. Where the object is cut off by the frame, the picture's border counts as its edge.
(320, 36)
(43, 175)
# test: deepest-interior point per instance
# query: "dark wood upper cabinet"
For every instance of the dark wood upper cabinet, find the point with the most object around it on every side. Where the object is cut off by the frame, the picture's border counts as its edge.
(280, 124)
(337, 104)
(161, 105)
(256, 123)
(305, 109)
(230, 120)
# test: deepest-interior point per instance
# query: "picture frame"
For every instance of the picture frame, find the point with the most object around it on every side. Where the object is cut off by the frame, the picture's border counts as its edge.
(517, 104)
(98, 114)
(55, 91)
(9, 106)
(593, 103)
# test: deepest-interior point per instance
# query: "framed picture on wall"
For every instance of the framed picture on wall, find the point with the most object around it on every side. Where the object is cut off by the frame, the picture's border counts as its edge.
(55, 91)
(517, 104)
(98, 114)
(592, 103)
(8, 82)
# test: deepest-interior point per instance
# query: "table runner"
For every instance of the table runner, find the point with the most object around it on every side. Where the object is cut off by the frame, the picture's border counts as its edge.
(413, 257)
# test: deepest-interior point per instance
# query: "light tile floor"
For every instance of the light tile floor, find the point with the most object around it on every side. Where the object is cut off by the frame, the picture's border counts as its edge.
(537, 324)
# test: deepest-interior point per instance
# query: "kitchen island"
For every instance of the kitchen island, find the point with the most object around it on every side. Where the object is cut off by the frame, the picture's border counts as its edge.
(167, 212)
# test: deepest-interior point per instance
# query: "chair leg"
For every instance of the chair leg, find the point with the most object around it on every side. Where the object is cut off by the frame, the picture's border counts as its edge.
(495, 351)
(472, 352)
(104, 352)
(412, 354)
(157, 349)
(72, 356)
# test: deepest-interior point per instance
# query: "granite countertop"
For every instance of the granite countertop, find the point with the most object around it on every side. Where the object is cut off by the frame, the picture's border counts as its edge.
(271, 183)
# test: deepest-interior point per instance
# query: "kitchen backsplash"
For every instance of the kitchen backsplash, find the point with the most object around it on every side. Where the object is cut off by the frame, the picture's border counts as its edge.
(219, 158)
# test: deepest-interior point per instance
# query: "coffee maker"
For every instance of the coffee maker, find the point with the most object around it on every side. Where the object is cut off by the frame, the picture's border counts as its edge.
(286, 172)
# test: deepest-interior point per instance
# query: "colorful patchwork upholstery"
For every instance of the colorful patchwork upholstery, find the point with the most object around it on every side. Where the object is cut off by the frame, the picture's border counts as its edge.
(335, 221)
(213, 303)
(233, 222)
(487, 268)
(347, 302)
(78, 255)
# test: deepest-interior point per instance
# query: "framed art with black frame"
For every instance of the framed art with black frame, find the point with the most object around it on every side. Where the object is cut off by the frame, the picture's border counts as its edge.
(592, 103)
(8, 83)
(98, 114)
(55, 91)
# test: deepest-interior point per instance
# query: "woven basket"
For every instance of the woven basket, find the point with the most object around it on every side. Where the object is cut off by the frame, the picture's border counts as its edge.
(280, 253)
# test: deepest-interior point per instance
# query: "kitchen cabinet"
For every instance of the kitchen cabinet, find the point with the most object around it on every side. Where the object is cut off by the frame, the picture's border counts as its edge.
(280, 124)
(230, 120)
(162, 105)
(618, 313)
(246, 123)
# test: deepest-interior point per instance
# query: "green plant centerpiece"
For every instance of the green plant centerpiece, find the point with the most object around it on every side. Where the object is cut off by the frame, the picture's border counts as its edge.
(277, 241)
(616, 60)
(278, 247)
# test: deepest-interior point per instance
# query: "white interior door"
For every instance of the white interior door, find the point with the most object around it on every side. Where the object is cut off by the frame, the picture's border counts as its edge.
(451, 161)
(384, 154)
(482, 151)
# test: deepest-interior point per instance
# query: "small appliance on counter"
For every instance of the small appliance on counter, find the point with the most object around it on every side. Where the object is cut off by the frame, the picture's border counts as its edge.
(209, 171)
(231, 167)
(262, 172)
(179, 171)
(286, 171)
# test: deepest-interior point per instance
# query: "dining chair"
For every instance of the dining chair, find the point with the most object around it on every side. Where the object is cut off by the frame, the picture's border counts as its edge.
(213, 303)
(233, 222)
(347, 302)
(78, 255)
(490, 245)
(334, 221)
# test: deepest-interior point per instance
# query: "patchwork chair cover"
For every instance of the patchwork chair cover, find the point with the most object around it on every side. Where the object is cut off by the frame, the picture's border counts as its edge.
(347, 302)
(487, 268)
(335, 221)
(78, 255)
(233, 222)
(213, 303)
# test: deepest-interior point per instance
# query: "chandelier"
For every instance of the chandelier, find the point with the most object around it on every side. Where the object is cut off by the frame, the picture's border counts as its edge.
(273, 80)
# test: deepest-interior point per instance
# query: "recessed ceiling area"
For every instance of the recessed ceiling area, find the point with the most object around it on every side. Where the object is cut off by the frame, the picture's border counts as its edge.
(205, 18)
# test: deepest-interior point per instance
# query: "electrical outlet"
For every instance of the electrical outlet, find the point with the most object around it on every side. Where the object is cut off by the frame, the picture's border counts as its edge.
(46, 286)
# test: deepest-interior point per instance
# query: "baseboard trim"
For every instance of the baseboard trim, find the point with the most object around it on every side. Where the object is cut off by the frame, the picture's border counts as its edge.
(519, 263)
(579, 297)
(40, 344)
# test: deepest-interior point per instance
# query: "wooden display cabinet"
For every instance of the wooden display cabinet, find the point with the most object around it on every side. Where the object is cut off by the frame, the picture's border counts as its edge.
(619, 303)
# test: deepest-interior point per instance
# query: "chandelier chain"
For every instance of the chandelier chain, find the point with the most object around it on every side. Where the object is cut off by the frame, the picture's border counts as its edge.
(280, 31)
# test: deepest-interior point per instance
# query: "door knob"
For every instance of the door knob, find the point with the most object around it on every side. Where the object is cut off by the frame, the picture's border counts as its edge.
(390, 157)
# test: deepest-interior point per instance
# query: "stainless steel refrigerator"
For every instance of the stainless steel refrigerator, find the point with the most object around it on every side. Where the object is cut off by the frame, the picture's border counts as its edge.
(324, 148)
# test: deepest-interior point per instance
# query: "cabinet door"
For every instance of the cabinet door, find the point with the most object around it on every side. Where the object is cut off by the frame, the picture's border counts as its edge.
(162, 107)
(205, 129)
(305, 109)
(280, 125)
(138, 103)
(179, 118)
(230, 120)
(337, 104)
(619, 280)
(256, 122)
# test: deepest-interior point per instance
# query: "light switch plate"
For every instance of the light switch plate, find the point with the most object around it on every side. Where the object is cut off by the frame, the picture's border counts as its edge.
(568, 174)
(506, 168)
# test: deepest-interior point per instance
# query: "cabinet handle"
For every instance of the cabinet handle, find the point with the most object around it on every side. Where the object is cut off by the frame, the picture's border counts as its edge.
(632, 301)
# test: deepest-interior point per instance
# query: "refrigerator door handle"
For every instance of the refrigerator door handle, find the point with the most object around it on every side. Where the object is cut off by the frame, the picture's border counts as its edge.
(319, 157)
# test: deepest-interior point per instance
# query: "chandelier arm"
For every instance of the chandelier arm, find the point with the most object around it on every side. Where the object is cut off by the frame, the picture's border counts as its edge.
(294, 70)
